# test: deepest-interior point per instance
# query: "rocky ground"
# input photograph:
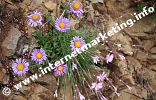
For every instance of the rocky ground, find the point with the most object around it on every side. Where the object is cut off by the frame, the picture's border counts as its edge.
(137, 44)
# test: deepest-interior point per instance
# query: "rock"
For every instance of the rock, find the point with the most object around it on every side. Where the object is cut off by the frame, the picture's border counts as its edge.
(125, 43)
(117, 8)
(10, 42)
(50, 5)
(141, 55)
(138, 34)
(39, 89)
(25, 90)
(153, 50)
(9, 1)
(35, 3)
(142, 26)
(21, 45)
(18, 97)
(3, 97)
(153, 85)
(123, 67)
(133, 64)
(97, 1)
(148, 44)
(151, 75)
(152, 57)
(25, 4)
(129, 79)
(33, 43)
(153, 67)
(40, 93)
(2, 75)
(73, 23)
(49, 82)
(127, 94)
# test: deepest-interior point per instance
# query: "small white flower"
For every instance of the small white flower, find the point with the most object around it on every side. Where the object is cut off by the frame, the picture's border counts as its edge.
(109, 57)
(96, 59)
(81, 96)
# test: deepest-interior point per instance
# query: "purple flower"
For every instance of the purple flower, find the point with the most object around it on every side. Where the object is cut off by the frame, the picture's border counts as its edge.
(74, 67)
(35, 18)
(76, 7)
(102, 77)
(77, 43)
(38, 55)
(109, 57)
(96, 86)
(20, 66)
(95, 59)
(62, 24)
(81, 96)
(60, 69)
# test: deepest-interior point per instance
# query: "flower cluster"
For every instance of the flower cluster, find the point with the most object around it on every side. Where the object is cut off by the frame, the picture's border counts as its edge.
(98, 85)
(20, 66)
(62, 24)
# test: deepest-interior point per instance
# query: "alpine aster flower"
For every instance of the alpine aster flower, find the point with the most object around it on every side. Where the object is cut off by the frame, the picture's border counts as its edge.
(77, 43)
(38, 55)
(76, 7)
(20, 66)
(95, 59)
(35, 18)
(109, 57)
(62, 24)
(96, 86)
(61, 69)
(81, 96)
(74, 67)
(102, 77)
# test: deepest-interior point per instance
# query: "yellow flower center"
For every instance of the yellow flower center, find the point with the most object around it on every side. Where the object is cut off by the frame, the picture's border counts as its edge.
(62, 25)
(60, 68)
(78, 44)
(20, 67)
(76, 6)
(35, 17)
(39, 55)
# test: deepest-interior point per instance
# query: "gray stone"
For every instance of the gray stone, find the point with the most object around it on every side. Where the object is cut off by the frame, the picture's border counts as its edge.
(10, 42)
